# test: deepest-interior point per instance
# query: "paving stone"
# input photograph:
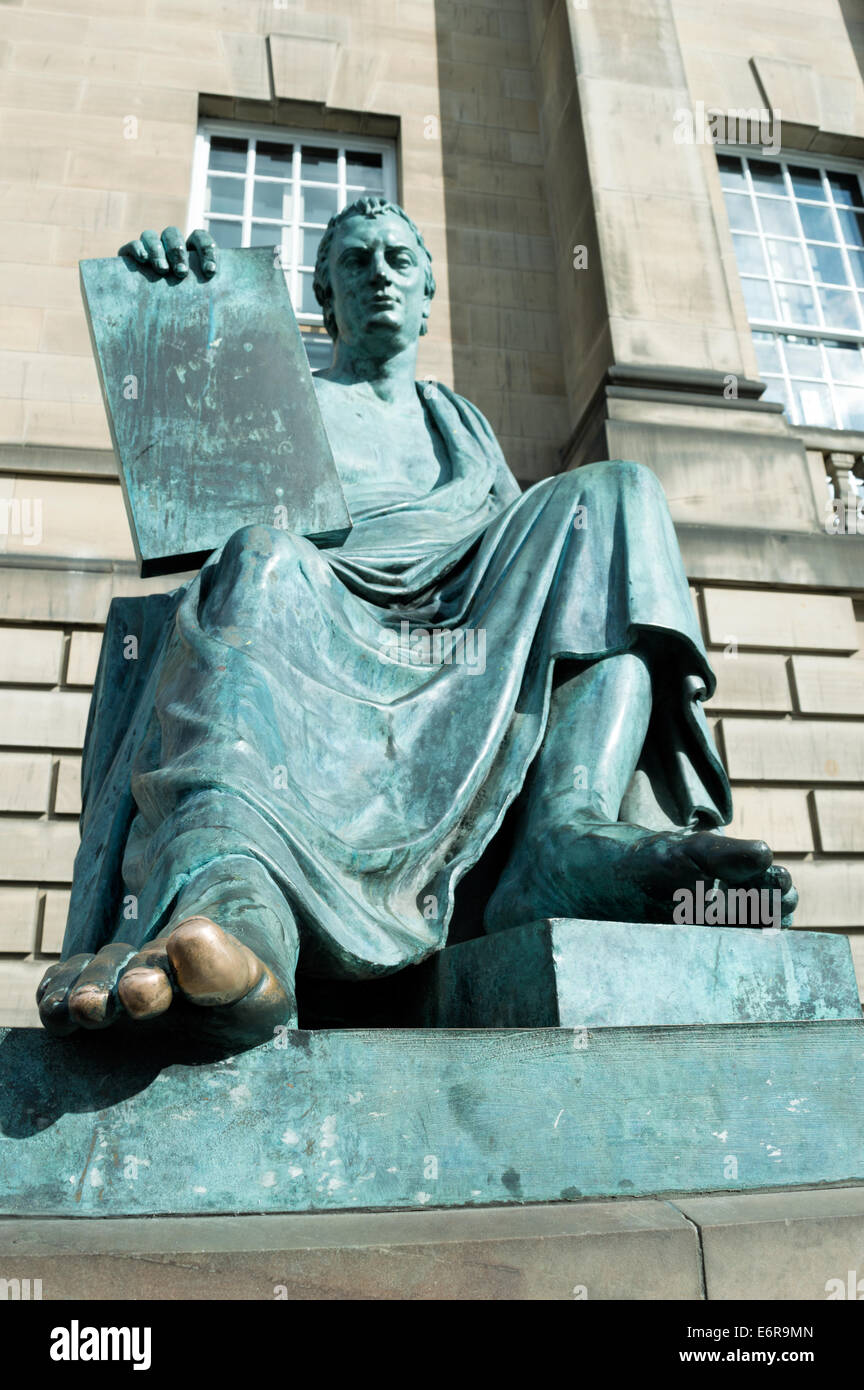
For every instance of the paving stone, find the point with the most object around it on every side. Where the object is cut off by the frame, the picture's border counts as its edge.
(621, 1250)
(783, 1245)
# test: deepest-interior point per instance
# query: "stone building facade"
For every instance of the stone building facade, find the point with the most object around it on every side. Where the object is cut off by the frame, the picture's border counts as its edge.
(610, 284)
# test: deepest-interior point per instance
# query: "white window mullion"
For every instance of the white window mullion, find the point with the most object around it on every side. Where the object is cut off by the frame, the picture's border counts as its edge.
(289, 231)
(784, 367)
(200, 163)
(829, 378)
(814, 284)
(754, 203)
(341, 180)
(820, 330)
(249, 194)
(844, 250)
(296, 234)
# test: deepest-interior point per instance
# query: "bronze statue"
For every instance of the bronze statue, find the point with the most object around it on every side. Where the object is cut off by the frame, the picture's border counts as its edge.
(316, 755)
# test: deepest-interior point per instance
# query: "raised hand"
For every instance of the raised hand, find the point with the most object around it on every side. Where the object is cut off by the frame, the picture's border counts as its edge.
(168, 254)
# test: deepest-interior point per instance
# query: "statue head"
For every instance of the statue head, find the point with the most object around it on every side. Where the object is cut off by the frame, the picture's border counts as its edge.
(373, 274)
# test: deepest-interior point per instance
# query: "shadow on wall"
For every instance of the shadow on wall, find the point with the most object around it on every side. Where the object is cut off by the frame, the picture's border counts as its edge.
(853, 17)
(502, 300)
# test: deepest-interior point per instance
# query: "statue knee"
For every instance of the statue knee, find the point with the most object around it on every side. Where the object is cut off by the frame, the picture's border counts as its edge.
(615, 474)
(264, 542)
(627, 471)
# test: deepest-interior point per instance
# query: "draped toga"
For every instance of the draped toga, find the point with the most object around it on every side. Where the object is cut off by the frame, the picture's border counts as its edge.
(359, 719)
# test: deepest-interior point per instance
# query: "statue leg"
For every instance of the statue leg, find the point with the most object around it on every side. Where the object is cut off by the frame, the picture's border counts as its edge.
(222, 968)
(572, 857)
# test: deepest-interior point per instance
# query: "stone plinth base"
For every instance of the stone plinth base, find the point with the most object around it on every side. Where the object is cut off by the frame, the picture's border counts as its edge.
(782, 1245)
(407, 1119)
(569, 973)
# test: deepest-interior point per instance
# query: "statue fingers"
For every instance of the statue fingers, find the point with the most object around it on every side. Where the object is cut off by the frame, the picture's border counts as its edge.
(203, 243)
(156, 258)
(52, 995)
(93, 997)
(136, 249)
(175, 251)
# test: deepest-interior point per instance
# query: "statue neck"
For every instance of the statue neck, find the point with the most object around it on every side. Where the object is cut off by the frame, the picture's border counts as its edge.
(391, 378)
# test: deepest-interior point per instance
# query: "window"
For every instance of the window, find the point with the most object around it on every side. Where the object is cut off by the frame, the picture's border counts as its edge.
(269, 186)
(798, 231)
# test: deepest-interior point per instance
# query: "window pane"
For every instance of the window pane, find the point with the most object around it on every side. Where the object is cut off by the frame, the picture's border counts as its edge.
(846, 189)
(777, 216)
(827, 263)
(225, 195)
(839, 308)
(817, 223)
(852, 227)
(740, 212)
(786, 260)
(796, 303)
(767, 178)
(229, 153)
(856, 260)
(267, 234)
(273, 159)
(851, 405)
(731, 172)
(807, 183)
(775, 390)
(308, 303)
(813, 403)
(757, 296)
(228, 235)
(803, 357)
(845, 361)
(310, 241)
(767, 352)
(272, 200)
(319, 350)
(748, 253)
(317, 204)
(366, 170)
(318, 163)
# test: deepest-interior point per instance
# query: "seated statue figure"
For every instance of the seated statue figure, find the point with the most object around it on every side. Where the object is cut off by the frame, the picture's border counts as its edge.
(314, 746)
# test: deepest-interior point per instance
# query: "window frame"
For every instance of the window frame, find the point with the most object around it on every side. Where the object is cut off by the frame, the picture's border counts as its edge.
(819, 331)
(295, 136)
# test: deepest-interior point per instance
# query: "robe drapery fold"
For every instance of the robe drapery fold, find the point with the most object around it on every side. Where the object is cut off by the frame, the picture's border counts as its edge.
(360, 719)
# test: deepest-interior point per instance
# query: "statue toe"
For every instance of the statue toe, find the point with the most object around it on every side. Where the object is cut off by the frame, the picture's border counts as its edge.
(52, 996)
(210, 966)
(93, 998)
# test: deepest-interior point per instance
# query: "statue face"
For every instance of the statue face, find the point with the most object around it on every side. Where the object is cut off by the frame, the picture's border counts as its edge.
(378, 275)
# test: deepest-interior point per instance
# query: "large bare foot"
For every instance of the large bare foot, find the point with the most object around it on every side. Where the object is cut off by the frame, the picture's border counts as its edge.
(619, 872)
(236, 997)
(221, 970)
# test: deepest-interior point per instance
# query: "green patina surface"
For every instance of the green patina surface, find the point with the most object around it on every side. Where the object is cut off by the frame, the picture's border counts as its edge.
(411, 1119)
(212, 408)
(625, 974)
